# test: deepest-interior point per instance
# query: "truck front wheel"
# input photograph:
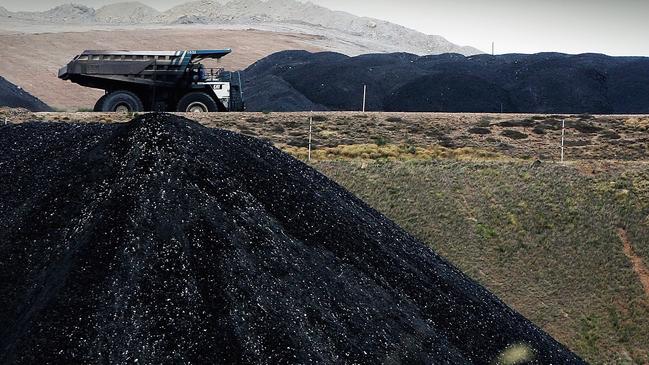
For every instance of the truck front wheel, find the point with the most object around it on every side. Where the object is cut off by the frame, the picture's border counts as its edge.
(197, 102)
(122, 102)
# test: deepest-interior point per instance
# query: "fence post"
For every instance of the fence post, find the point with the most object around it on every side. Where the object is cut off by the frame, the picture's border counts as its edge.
(6, 119)
(563, 137)
(310, 130)
(364, 96)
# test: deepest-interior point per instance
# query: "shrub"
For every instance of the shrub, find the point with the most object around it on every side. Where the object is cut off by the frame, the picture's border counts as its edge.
(479, 130)
(484, 122)
(380, 140)
(510, 133)
(256, 119)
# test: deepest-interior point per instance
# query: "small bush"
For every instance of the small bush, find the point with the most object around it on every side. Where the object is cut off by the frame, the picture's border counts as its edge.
(256, 120)
(394, 119)
(510, 133)
(380, 140)
(479, 130)
(517, 123)
(577, 143)
(277, 128)
(583, 127)
(320, 118)
(610, 135)
(484, 122)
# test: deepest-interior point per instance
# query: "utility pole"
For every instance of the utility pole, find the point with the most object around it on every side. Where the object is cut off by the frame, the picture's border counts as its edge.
(310, 130)
(493, 48)
(364, 96)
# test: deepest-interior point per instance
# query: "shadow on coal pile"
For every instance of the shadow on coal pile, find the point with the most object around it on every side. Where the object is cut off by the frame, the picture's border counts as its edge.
(167, 242)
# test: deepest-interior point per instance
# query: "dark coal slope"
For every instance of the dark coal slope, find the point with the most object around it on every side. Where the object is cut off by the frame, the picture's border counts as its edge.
(15, 97)
(164, 241)
(536, 83)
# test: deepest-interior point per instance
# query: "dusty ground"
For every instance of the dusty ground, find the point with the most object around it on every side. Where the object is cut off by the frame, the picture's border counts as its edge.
(425, 135)
(32, 61)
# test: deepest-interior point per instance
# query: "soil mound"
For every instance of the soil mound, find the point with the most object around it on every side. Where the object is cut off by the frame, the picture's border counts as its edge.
(162, 241)
(15, 97)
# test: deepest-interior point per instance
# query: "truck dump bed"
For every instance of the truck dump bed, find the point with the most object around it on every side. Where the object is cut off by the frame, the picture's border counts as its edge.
(101, 69)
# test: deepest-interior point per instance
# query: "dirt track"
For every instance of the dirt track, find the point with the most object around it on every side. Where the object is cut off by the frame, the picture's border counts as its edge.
(636, 261)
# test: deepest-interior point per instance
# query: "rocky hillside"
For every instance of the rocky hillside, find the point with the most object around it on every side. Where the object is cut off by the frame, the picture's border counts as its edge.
(126, 13)
(516, 83)
(284, 15)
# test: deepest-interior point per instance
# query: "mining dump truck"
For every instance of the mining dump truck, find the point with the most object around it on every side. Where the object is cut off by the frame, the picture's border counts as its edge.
(157, 81)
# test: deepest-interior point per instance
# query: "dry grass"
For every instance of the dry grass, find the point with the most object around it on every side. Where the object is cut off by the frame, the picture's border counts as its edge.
(587, 137)
(392, 152)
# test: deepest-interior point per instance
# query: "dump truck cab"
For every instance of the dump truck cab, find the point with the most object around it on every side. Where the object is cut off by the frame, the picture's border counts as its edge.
(157, 80)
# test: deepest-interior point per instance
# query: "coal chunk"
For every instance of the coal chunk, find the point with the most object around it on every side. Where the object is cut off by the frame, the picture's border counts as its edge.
(162, 241)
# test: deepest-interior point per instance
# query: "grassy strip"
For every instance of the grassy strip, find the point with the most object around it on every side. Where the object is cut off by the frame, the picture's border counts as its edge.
(542, 238)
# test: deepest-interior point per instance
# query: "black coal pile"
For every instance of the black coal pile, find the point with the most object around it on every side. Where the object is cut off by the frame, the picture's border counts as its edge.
(160, 241)
(535, 83)
(14, 97)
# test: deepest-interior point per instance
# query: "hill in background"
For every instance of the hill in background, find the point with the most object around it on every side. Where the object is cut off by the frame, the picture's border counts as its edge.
(515, 83)
(275, 15)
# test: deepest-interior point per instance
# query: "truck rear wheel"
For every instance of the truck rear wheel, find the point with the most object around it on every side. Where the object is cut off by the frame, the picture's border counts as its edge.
(122, 102)
(197, 102)
(99, 104)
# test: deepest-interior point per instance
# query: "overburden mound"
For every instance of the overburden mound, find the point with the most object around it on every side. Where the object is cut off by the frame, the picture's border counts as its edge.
(163, 241)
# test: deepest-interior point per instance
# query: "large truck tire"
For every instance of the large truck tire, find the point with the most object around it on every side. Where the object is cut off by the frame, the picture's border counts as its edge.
(99, 104)
(122, 101)
(197, 102)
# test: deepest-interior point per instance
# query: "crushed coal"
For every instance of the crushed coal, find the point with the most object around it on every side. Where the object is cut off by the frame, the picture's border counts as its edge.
(14, 97)
(400, 82)
(163, 241)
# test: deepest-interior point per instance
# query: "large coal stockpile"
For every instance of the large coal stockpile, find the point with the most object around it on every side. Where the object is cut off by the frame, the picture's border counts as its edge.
(160, 241)
(401, 82)
(14, 97)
